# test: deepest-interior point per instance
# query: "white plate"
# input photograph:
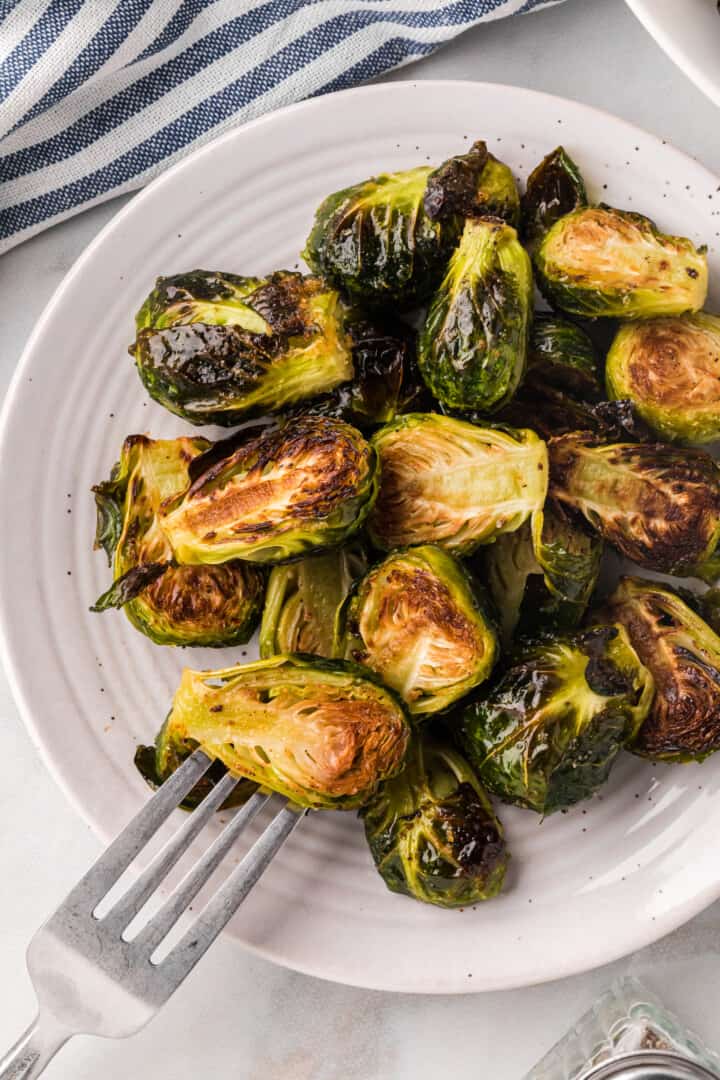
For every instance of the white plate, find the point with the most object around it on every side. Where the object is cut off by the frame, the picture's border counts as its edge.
(585, 887)
(689, 32)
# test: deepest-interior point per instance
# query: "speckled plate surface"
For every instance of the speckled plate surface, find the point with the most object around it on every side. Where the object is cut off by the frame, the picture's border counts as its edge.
(689, 32)
(585, 887)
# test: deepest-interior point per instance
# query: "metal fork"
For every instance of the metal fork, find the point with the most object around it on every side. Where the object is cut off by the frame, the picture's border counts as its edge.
(89, 979)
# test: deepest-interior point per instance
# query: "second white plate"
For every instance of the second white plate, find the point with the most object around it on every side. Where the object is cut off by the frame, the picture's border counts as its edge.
(585, 887)
(689, 32)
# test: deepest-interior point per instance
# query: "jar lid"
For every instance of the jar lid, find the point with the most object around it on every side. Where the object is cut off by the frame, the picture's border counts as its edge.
(649, 1065)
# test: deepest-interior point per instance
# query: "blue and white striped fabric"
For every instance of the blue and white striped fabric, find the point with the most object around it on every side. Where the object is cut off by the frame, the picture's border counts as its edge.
(99, 96)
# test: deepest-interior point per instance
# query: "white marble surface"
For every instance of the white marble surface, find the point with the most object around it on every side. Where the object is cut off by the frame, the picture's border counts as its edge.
(238, 1016)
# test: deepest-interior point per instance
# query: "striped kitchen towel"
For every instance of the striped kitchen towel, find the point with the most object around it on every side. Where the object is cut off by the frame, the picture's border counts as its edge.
(99, 96)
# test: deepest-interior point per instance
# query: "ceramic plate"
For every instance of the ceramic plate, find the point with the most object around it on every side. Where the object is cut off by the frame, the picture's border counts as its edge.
(585, 887)
(689, 32)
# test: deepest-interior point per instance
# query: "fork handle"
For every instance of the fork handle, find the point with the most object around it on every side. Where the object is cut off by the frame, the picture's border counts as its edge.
(34, 1049)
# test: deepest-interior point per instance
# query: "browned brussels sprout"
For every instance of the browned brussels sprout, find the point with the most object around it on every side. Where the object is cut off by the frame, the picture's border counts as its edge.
(215, 348)
(173, 605)
(302, 602)
(386, 241)
(432, 830)
(546, 734)
(418, 621)
(472, 350)
(323, 733)
(542, 576)
(683, 654)
(562, 355)
(384, 376)
(657, 504)
(600, 261)
(554, 188)
(447, 482)
(670, 368)
(308, 486)
(150, 759)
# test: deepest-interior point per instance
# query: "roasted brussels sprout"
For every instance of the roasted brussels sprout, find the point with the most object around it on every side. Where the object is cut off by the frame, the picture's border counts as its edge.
(156, 763)
(600, 261)
(543, 576)
(472, 350)
(419, 622)
(387, 239)
(302, 602)
(546, 734)
(554, 189)
(308, 486)
(670, 368)
(173, 605)
(323, 733)
(384, 375)
(657, 504)
(683, 654)
(432, 831)
(216, 348)
(562, 355)
(497, 193)
(451, 483)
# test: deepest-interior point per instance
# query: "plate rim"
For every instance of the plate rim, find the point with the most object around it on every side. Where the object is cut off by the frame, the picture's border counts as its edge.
(562, 966)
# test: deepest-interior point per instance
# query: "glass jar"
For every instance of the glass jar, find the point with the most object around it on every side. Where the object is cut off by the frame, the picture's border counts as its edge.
(628, 1035)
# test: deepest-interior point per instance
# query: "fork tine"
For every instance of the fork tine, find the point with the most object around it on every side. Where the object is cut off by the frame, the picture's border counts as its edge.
(163, 921)
(130, 903)
(228, 898)
(115, 860)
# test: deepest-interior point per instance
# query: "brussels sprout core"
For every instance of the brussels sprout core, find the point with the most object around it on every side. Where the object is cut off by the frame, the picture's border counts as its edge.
(218, 348)
(683, 654)
(451, 483)
(416, 621)
(432, 831)
(670, 368)
(547, 733)
(322, 733)
(309, 485)
(473, 348)
(600, 261)
(173, 605)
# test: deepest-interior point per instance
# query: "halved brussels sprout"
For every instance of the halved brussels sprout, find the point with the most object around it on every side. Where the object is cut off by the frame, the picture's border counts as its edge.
(173, 605)
(418, 621)
(387, 240)
(448, 482)
(308, 486)
(472, 350)
(658, 504)
(323, 733)
(384, 374)
(670, 368)
(600, 261)
(216, 348)
(543, 576)
(497, 193)
(554, 189)
(547, 733)
(551, 412)
(432, 830)
(150, 760)
(562, 355)
(302, 602)
(683, 654)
